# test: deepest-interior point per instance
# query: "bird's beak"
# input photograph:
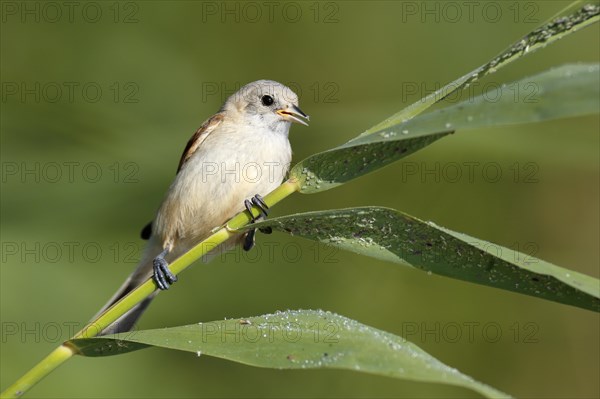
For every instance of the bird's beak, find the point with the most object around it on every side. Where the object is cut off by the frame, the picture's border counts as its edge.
(293, 114)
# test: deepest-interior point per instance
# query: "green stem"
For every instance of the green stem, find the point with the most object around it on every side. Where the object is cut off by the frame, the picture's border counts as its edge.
(64, 352)
(38, 372)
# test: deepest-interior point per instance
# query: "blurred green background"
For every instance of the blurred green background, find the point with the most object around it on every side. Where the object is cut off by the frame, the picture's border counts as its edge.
(99, 99)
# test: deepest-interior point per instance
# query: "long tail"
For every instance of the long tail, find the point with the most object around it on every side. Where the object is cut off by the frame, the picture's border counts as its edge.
(142, 272)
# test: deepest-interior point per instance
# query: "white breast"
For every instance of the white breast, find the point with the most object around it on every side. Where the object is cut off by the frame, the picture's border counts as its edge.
(229, 167)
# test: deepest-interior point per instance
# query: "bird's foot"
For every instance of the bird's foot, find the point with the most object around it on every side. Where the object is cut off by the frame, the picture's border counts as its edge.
(163, 277)
(262, 206)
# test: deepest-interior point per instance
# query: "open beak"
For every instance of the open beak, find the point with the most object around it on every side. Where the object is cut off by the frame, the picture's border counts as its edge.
(293, 114)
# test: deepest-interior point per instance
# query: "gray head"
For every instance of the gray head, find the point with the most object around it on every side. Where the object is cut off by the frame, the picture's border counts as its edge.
(266, 102)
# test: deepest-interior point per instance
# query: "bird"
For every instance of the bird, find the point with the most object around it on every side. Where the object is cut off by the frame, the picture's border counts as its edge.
(236, 156)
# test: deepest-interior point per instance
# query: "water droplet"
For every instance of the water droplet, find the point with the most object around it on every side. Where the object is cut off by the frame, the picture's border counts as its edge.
(199, 353)
(405, 131)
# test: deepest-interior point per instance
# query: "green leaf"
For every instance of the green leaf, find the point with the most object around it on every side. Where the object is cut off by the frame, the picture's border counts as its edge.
(393, 236)
(304, 339)
(567, 91)
(566, 22)
(98, 347)
(337, 166)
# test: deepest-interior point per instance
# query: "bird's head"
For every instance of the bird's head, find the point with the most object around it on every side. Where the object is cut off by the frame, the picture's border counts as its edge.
(266, 103)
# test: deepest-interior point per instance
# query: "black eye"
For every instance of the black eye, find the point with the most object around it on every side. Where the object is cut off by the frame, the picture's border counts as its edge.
(266, 100)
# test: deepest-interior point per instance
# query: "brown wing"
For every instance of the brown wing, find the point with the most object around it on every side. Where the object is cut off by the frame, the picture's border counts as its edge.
(198, 137)
(192, 145)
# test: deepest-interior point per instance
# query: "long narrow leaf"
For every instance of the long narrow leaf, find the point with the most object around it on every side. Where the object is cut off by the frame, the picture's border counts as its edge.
(304, 339)
(567, 91)
(393, 236)
(571, 90)
(559, 26)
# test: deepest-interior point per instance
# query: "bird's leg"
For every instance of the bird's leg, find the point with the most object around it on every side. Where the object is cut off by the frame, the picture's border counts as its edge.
(260, 203)
(162, 275)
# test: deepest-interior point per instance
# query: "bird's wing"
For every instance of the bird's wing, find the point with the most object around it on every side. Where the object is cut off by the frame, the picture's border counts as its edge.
(192, 145)
(201, 134)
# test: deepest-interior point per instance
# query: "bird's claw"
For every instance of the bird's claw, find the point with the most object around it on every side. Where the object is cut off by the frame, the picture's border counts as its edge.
(163, 277)
(262, 206)
(260, 203)
(249, 240)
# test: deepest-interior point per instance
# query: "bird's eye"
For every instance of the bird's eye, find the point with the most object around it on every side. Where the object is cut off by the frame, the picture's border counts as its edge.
(266, 100)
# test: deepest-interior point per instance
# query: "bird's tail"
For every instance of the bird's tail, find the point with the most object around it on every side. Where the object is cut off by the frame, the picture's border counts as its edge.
(142, 272)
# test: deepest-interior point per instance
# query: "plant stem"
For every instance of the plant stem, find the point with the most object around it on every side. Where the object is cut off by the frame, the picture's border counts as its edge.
(65, 352)
(38, 372)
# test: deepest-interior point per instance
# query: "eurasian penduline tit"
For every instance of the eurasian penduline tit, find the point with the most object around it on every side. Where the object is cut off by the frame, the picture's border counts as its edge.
(241, 152)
